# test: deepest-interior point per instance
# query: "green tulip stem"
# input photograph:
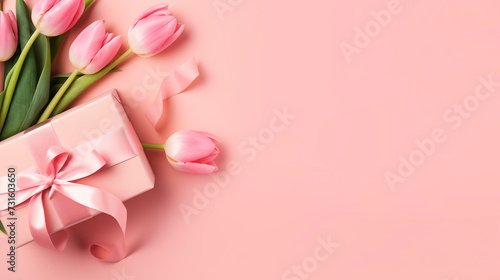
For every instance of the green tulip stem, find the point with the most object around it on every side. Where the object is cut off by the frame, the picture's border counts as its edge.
(153, 146)
(77, 88)
(1, 8)
(58, 96)
(11, 87)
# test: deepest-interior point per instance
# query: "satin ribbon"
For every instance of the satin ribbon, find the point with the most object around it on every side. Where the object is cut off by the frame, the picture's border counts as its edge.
(173, 84)
(55, 175)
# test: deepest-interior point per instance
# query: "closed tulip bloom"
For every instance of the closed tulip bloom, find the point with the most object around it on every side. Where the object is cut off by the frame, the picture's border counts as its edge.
(55, 17)
(8, 35)
(192, 151)
(94, 48)
(153, 31)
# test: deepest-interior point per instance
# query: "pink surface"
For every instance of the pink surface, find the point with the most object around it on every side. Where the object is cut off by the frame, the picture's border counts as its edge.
(322, 174)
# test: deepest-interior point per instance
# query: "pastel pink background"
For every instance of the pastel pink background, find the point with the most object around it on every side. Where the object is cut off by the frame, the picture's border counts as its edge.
(323, 175)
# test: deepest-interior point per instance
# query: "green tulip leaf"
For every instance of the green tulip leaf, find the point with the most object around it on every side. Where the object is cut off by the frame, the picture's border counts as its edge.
(61, 78)
(7, 77)
(2, 229)
(55, 43)
(28, 77)
(88, 2)
(41, 96)
(10, 63)
(2, 94)
(54, 89)
(57, 81)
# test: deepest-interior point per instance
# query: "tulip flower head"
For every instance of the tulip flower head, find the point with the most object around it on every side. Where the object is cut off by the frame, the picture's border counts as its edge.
(192, 151)
(8, 35)
(94, 48)
(153, 31)
(55, 17)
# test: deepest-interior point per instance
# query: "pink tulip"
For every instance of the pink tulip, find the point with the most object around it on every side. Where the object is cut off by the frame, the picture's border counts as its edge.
(55, 17)
(153, 31)
(8, 35)
(94, 48)
(192, 151)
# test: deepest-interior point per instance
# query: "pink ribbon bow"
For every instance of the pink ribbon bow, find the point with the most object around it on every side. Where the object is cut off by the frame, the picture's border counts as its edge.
(55, 178)
(55, 175)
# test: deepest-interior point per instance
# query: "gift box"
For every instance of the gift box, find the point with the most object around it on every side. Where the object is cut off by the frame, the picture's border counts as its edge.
(96, 132)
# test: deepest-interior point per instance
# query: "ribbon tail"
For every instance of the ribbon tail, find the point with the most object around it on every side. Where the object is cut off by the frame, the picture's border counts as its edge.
(38, 227)
(106, 203)
(156, 110)
(111, 252)
(173, 84)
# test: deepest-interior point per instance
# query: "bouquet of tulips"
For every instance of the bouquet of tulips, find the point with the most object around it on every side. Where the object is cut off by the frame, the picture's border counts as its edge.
(29, 43)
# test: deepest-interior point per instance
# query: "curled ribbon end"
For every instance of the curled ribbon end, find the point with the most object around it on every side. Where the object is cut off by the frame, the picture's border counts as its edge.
(99, 252)
(106, 254)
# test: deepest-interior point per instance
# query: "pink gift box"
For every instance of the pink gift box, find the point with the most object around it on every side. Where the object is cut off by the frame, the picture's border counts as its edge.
(81, 128)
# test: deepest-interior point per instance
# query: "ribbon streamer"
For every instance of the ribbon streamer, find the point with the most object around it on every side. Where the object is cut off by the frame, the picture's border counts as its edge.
(173, 84)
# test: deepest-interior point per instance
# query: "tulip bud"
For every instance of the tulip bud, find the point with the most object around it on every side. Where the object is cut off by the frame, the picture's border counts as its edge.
(8, 35)
(55, 17)
(94, 48)
(153, 31)
(192, 151)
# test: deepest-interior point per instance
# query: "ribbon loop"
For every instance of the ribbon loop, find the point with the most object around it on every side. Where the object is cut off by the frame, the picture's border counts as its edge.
(54, 161)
